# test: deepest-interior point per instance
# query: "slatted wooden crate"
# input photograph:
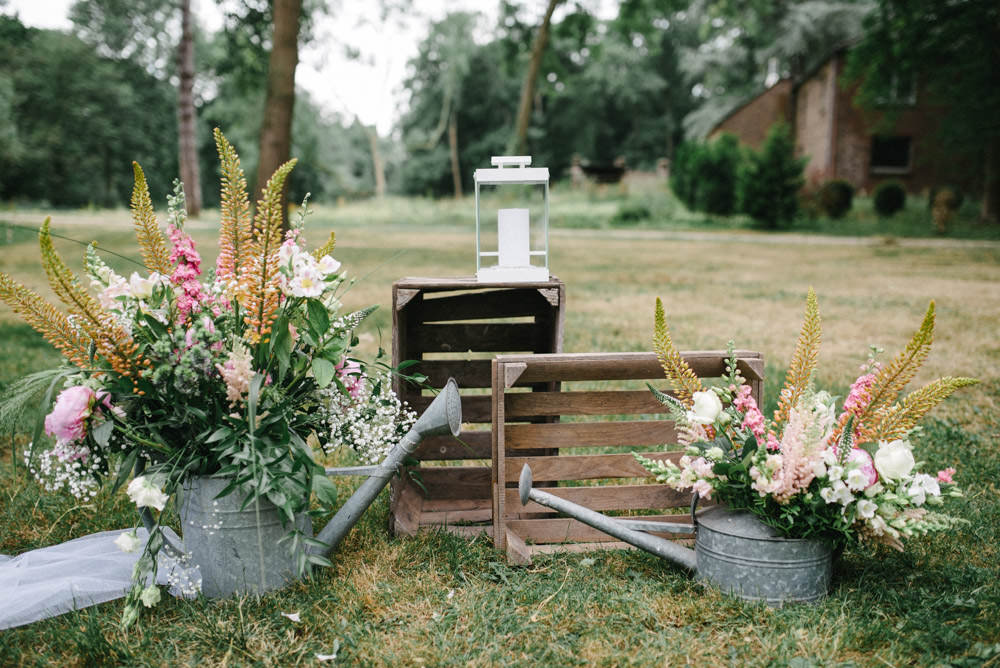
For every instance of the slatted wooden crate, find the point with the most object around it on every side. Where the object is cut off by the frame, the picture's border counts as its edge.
(453, 327)
(599, 413)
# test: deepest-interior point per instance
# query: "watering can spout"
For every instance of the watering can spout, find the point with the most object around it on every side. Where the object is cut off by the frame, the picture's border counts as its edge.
(630, 531)
(443, 416)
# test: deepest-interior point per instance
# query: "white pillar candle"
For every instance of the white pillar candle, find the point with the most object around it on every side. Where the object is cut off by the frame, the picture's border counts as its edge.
(513, 240)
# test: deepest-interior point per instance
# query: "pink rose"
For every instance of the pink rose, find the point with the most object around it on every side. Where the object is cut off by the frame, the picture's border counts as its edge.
(67, 420)
(945, 475)
(866, 465)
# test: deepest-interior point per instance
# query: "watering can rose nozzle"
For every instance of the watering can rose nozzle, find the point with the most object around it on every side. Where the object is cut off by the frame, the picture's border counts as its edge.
(524, 484)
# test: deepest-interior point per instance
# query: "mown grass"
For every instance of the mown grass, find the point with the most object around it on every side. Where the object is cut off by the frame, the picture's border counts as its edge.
(441, 600)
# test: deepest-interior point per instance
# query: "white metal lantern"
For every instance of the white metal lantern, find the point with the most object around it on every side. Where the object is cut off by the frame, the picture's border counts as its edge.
(512, 244)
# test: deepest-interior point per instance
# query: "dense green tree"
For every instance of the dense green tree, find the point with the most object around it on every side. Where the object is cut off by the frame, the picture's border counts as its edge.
(80, 119)
(952, 49)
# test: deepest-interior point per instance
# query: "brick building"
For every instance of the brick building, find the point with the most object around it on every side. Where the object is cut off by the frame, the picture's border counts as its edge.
(842, 141)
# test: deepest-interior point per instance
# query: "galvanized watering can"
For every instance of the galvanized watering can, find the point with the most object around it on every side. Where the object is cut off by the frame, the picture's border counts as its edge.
(236, 550)
(733, 550)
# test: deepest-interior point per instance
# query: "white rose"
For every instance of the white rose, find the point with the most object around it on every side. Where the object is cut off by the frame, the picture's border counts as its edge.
(707, 407)
(127, 541)
(894, 459)
(145, 493)
(139, 287)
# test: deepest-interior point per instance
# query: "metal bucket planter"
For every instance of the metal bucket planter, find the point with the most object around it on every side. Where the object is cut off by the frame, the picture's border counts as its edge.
(745, 558)
(734, 551)
(235, 552)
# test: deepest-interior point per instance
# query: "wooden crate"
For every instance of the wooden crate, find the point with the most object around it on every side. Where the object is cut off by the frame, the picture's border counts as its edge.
(453, 327)
(616, 418)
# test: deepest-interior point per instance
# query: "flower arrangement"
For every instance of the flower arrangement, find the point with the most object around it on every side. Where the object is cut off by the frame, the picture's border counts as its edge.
(811, 471)
(173, 373)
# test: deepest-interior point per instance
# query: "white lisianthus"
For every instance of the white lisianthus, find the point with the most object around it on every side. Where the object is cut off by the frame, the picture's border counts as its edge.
(707, 407)
(923, 485)
(127, 541)
(144, 492)
(150, 596)
(141, 288)
(819, 468)
(874, 490)
(836, 472)
(866, 509)
(327, 265)
(894, 459)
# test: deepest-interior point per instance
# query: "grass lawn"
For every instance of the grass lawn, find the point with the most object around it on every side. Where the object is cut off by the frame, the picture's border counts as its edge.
(441, 600)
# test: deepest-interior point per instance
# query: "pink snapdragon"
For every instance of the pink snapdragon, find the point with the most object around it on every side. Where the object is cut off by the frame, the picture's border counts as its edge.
(753, 419)
(946, 475)
(186, 272)
(350, 374)
(67, 421)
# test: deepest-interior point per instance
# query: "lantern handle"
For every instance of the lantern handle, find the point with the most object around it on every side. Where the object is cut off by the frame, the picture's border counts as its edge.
(502, 161)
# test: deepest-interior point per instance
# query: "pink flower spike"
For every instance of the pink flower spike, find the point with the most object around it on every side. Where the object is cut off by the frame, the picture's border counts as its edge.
(945, 475)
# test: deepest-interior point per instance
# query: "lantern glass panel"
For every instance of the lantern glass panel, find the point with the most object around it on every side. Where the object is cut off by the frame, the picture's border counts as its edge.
(520, 210)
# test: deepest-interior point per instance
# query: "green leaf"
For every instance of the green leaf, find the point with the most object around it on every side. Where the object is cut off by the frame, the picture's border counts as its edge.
(323, 370)
(325, 490)
(281, 345)
(319, 561)
(158, 329)
(102, 432)
(125, 469)
(319, 317)
(218, 434)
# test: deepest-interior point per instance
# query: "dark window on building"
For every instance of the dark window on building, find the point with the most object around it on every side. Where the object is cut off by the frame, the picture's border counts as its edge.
(900, 90)
(890, 154)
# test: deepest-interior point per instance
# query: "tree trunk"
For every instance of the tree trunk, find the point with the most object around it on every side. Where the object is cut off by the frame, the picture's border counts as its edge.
(991, 182)
(519, 139)
(276, 128)
(188, 145)
(378, 167)
(456, 174)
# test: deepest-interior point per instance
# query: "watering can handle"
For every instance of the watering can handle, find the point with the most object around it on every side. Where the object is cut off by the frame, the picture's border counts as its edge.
(694, 507)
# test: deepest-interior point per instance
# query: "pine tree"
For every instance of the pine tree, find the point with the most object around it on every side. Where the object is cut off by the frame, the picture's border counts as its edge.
(770, 179)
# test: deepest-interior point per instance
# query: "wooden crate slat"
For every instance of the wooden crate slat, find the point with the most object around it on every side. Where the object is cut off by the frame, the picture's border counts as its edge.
(474, 408)
(467, 373)
(583, 467)
(625, 366)
(630, 402)
(473, 445)
(482, 305)
(478, 337)
(609, 497)
(433, 518)
(452, 482)
(588, 434)
(566, 529)
(460, 505)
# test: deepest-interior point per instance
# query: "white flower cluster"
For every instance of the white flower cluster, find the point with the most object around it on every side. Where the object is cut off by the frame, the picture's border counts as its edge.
(370, 424)
(69, 466)
(304, 276)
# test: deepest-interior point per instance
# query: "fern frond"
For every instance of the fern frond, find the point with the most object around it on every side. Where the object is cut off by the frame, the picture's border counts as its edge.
(680, 375)
(803, 360)
(895, 421)
(234, 233)
(259, 290)
(113, 343)
(151, 242)
(46, 319)
(327, 248)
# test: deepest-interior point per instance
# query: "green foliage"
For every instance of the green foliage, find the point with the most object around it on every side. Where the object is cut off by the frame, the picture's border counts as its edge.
(889, 198)
(770, 179)
(630, 213)
(68, 144)
(704, 174)
(835, 198)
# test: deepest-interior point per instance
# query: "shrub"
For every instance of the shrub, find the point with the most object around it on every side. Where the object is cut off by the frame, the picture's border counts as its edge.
(703, 176)
(835, 198)
(631, 213)
(944, 204)
(770, 179)
(953, 199)
(889, 198)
